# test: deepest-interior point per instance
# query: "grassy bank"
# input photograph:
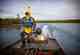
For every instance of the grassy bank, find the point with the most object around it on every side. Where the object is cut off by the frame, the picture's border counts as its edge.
(15, 22)
(59, 21)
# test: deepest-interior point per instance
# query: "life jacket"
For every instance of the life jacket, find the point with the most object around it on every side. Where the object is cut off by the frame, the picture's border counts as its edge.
(28, 22)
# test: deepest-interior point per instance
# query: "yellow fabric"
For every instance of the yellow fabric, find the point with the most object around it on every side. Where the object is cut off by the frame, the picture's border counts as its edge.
(27, 29)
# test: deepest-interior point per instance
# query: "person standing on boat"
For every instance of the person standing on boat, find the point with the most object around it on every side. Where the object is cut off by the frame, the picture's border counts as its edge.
(28, 24)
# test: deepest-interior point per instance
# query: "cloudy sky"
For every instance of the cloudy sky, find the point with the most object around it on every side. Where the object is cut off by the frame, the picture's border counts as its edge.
(42, 9)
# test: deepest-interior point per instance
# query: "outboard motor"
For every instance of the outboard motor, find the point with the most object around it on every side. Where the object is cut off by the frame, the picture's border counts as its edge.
(38, 31)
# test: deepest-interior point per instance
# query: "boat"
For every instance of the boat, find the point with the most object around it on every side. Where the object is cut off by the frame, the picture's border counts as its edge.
(38, 46)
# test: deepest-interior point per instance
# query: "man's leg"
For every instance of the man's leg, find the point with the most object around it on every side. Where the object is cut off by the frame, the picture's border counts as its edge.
(29, 38)
(22, 38)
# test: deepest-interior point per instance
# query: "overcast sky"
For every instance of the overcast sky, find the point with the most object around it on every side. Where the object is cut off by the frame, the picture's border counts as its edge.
(42, 9)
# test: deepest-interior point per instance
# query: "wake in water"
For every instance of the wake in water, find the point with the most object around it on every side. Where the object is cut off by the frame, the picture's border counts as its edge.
(46, 32)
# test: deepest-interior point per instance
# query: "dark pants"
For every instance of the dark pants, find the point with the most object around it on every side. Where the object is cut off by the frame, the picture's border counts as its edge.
(22, 38)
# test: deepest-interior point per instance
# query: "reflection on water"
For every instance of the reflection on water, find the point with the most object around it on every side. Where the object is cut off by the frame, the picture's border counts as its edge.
(66, 33)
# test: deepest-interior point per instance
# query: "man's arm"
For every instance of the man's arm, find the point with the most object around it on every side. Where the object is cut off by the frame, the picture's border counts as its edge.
(34, 24)
(21, 23)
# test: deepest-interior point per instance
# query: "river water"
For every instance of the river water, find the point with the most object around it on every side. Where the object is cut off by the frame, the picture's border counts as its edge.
(68, 34)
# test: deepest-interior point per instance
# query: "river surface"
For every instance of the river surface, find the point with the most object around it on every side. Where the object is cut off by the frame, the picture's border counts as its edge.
(68, 34)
